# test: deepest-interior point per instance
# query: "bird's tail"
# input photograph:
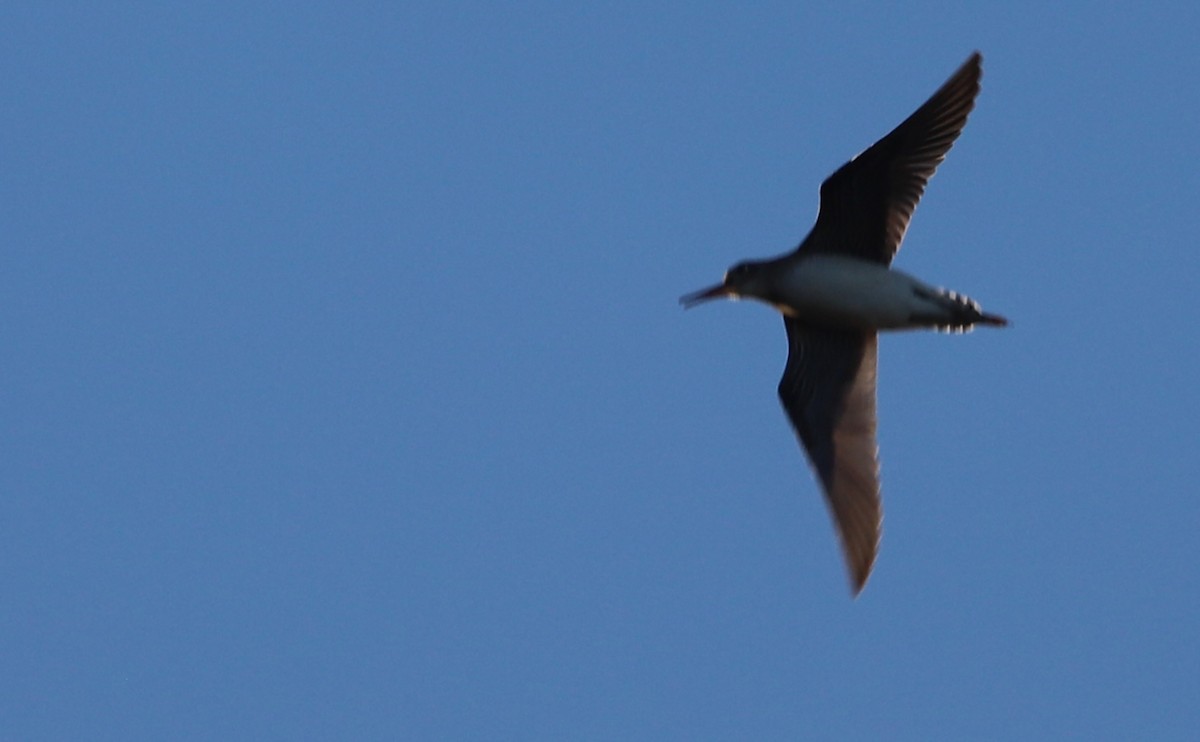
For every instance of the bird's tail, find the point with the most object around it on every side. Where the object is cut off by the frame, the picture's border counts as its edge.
(994, 320)
(959, 313)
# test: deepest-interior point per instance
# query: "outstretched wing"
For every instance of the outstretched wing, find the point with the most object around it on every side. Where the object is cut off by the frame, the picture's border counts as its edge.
(828, 391)
(866, 205)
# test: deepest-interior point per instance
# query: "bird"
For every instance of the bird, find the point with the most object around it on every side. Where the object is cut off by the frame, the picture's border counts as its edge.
(837, 291)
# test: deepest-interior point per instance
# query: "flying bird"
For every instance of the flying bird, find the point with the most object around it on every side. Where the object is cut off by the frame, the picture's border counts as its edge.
(837, 290)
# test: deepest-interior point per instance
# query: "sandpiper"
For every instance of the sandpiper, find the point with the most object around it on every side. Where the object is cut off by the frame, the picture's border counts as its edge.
(837, 290)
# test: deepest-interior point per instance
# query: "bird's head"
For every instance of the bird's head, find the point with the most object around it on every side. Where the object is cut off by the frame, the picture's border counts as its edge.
(744, 279)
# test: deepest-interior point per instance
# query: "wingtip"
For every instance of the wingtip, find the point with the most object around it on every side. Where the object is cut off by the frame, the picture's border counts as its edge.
(973, 67)
(858, 579)
(975, 61)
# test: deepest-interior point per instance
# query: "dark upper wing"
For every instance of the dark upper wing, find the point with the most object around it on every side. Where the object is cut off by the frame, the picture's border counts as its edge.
(828, 390)
(866, 205)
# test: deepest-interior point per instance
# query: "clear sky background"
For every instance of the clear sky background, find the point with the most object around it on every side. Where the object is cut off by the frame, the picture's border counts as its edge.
(346, 394)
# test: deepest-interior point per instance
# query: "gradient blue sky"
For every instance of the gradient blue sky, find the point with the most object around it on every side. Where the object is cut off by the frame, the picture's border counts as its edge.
(346, 395)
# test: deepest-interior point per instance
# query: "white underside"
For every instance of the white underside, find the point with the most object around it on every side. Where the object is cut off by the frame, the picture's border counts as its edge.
(847, 292)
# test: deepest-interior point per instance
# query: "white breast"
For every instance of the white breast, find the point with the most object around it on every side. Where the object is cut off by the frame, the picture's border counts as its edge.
(830, 289)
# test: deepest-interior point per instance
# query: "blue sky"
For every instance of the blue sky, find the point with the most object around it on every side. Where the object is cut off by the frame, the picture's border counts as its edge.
(346, 394)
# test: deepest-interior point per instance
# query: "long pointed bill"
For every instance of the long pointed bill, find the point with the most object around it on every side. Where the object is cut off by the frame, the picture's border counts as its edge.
(713, 292)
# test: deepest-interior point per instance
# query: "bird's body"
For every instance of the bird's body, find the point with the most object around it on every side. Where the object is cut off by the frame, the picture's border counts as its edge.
(837, 290)
(850, 293)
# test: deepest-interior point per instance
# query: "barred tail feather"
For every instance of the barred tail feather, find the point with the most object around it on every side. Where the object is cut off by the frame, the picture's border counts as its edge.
(959, 313)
